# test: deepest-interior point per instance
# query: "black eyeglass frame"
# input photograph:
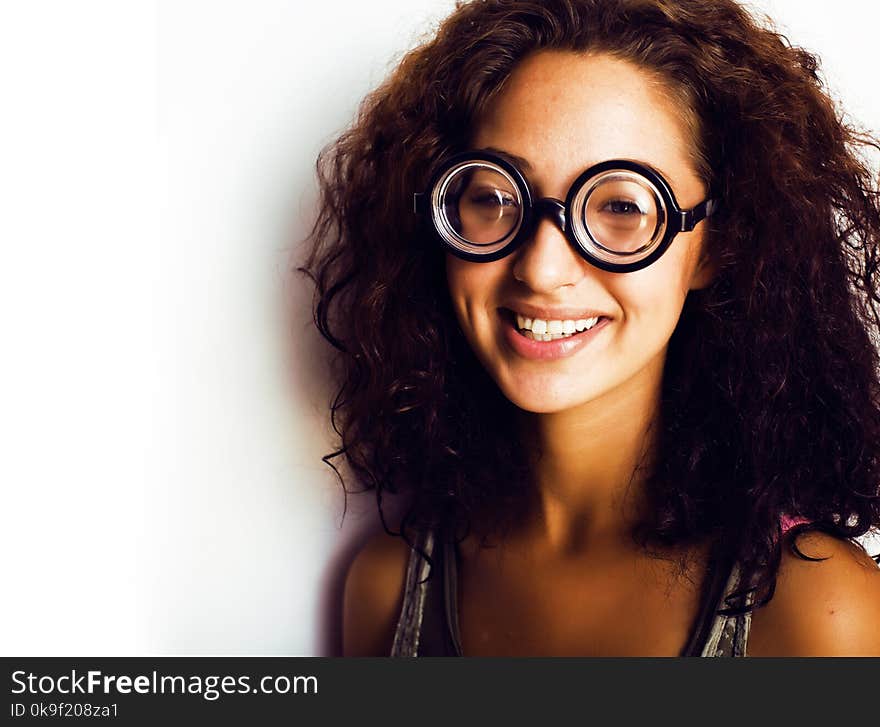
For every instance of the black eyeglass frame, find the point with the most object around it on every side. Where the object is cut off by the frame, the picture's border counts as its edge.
(676, 219)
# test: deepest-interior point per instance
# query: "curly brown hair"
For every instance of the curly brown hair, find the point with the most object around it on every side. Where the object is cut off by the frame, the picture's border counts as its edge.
(771, 391)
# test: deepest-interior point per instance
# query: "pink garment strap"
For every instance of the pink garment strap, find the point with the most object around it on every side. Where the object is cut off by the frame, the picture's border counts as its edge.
(788, 523)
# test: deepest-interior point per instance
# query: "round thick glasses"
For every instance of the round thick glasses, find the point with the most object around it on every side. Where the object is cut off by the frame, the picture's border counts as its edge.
(620, 215)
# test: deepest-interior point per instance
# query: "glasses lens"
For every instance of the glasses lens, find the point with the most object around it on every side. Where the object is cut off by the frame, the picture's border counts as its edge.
(622, 214)
(619, 216)
(479, 206)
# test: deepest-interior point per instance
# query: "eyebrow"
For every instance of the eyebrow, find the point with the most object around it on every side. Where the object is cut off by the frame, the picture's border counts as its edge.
(526, 165)
(519, 161)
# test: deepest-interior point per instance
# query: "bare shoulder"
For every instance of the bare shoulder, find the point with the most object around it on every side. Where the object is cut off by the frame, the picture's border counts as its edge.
(821, 608)
(373, 596)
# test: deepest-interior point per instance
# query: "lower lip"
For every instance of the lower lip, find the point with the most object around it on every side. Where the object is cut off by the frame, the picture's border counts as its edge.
(549, 350)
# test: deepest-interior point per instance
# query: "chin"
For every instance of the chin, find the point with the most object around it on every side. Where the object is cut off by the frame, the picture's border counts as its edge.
(541, 408)
(540, 399)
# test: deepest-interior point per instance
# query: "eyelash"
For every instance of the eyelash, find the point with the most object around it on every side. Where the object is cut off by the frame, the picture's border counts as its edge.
(635, 208)
(482, 199)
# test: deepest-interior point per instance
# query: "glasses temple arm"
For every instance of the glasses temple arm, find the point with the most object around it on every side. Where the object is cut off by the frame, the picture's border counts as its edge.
(420, 203)
(690, 218)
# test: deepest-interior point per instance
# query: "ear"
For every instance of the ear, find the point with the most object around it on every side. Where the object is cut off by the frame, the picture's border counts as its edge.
(704, 273)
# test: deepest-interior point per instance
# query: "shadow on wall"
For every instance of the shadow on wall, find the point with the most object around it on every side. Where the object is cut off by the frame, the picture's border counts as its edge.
(309, 359)
(332, 588)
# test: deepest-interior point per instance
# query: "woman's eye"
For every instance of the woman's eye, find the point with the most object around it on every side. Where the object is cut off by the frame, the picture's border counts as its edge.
(622, 207)
(493, 200)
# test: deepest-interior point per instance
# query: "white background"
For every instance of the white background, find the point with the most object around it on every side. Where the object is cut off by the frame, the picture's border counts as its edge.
(162, 485)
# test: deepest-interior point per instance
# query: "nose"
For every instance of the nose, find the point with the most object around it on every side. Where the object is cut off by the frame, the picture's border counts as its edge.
(546, 261)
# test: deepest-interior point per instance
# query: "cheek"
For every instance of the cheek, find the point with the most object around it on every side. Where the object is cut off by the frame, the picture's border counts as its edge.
(455, 275)
(471, 285)
(656, 293)
(458, 283)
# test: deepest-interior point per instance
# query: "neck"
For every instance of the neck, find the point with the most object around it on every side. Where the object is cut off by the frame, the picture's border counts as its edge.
(590, 464)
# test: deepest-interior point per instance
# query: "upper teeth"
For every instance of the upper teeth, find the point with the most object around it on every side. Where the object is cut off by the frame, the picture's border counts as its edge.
(540, 326)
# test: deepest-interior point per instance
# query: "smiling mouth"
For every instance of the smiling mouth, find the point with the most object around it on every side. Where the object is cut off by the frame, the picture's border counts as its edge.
(549, 330)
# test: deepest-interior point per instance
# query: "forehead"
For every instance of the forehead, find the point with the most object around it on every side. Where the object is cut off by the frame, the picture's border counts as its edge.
(564, 111)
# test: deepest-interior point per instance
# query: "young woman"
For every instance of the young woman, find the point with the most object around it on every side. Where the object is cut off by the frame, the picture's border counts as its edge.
(603, 280)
